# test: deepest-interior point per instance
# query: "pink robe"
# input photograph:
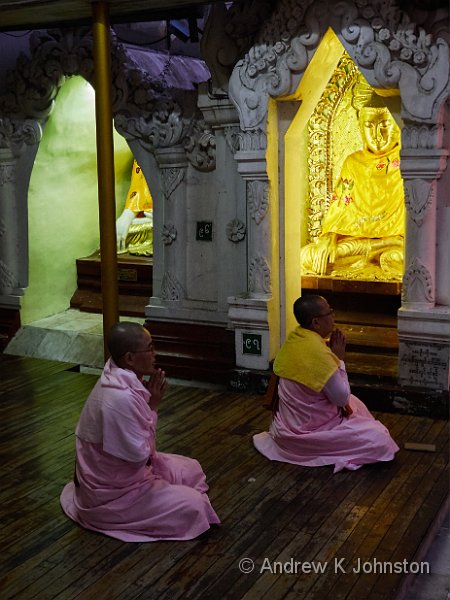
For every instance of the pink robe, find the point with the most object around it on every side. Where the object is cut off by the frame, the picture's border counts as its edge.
(119, 494)
(308, 428)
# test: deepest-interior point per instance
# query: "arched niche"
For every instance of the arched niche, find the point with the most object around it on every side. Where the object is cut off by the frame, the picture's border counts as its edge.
(62, 206)
(391, 52)
(145, 114)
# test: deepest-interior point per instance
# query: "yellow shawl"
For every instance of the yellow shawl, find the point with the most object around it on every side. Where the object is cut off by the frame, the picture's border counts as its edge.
(305, 357)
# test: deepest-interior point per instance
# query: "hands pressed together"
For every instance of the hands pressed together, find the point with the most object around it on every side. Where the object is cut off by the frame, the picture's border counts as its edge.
(337, 343)
(157, 386)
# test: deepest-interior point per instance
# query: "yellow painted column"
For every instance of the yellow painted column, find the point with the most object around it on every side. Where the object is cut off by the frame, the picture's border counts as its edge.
(105, 166)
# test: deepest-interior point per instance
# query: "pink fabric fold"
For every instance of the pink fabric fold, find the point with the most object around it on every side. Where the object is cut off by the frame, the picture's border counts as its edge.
(309, 430)
(119, 494)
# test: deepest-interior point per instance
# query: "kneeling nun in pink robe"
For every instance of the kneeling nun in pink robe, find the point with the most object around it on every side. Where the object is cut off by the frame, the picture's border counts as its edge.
(123, 487)
(318, 421)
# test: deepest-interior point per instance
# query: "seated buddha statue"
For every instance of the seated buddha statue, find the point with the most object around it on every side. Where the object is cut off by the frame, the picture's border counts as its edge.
(134, 227)
(363, 229)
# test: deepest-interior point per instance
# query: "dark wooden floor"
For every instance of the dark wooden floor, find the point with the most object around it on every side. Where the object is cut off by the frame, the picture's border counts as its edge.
(272, 510)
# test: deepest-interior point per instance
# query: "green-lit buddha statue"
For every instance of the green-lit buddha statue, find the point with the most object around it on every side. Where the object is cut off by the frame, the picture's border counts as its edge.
(134, 227)
(363, 229)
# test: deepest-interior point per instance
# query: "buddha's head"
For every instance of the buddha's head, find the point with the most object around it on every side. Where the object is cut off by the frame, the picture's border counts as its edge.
(379, 131)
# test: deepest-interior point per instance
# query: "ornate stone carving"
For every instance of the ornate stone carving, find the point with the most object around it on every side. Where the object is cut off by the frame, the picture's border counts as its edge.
(259, 276)
(232, 138)
(378, 36)
(256, 139)
(172, 177)
(171, 288)
(228, 34)
(165, 127)
(200, 146)
(258, 199)
(15, 135)
(33, 85)
(169, 234)
(421, 137)
(7, 173)
(419, 195)
(236, 231)
(417, 283)
(7, 277)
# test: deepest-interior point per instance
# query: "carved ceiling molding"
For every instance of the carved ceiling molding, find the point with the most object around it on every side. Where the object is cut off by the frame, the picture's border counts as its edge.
(56, 54)
(378, 36)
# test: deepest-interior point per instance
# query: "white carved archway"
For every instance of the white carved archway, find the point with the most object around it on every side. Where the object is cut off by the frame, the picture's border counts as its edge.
(145, 113)
(391, 52)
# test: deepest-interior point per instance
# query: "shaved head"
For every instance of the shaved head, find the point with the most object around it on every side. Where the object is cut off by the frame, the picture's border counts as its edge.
(124, 337)
(306, 308)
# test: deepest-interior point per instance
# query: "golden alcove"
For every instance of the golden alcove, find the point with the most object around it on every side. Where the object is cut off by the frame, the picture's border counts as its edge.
(323, 132)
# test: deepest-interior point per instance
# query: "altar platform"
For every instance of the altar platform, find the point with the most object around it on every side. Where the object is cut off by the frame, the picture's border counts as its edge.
(270, 512)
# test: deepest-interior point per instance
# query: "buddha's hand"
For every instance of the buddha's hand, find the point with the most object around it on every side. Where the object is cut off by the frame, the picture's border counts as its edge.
(321, 255)
(122, 226)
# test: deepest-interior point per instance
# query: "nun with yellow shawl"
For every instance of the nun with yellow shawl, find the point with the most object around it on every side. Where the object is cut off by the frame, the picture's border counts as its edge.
(318, 420)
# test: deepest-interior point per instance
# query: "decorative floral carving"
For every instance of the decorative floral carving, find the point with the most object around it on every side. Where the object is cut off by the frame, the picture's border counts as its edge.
(258, 199)
(15, 135)
(55, 54)
(379, 36)
(172, 177)
(34, 84)
(236, 231)
(163, 129)
(419, 195)
(255, 139)
(417, 283)
(169, 234)
(259, 276)
(232, 138)
(171, 288)
(420, 136)
(200, 146)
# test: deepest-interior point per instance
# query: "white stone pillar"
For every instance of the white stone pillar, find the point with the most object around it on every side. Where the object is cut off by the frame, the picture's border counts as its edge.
(170, 224)
(15, 137)
(423, 327)
(253, 314)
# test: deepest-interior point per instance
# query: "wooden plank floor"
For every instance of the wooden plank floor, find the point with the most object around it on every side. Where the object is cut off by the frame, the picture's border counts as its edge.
(270, 511)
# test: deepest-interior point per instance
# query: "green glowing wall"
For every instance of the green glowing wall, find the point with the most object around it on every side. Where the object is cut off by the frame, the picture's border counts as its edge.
(62, 200)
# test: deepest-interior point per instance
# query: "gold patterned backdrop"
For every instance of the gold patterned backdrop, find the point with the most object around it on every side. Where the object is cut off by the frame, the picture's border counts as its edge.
(334, 133)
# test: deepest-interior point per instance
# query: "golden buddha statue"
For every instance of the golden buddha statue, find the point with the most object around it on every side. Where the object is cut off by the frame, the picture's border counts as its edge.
(134, 227)
(363, 229)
